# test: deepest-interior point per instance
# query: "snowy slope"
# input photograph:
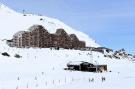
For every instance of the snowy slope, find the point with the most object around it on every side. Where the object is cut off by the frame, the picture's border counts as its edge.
(12, 22)
(43, 68)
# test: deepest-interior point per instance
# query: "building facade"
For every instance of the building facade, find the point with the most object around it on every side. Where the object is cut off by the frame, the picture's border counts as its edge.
(38, 36)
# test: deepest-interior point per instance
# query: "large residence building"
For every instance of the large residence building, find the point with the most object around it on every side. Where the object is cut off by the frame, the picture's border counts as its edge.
(38, 36)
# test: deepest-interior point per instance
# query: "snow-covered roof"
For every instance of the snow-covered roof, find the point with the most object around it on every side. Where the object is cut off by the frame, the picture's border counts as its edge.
(77, 62)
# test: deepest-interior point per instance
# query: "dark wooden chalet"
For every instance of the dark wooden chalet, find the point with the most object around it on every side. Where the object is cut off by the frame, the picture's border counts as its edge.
(86, 66)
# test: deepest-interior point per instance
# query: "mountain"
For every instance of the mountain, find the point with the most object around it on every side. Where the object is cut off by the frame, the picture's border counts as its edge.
(12, 22)
(43, 68)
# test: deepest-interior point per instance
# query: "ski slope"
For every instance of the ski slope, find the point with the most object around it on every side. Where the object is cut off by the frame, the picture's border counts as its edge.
(12, 22)
(44, 68)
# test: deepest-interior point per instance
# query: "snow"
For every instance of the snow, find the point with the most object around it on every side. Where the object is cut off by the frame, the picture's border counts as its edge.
(75, 63)
(4, 8)
(18, 22)
(44, 68)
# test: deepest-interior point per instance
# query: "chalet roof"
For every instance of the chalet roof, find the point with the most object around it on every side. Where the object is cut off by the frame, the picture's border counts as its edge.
(75, 63)
(78, 63)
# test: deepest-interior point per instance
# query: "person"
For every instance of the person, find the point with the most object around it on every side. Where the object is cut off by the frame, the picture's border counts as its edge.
(92, 80)
(103, 79)
(89, 80)
(18, 78)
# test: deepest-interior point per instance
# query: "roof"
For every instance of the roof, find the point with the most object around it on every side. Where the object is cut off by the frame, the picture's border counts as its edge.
(19, 33)
(34, 27)
(60, 31)
(73, 37)
(82, 41)
(104, 48)
(77, 63)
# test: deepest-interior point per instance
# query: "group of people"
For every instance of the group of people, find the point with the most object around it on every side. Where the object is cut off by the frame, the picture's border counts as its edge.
(91, 80)
(102, 78)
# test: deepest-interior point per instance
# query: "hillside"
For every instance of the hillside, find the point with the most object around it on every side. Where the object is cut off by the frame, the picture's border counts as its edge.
(43, 68)
(19, 22)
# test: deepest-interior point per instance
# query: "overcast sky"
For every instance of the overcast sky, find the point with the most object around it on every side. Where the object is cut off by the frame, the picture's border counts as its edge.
(110, 22)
